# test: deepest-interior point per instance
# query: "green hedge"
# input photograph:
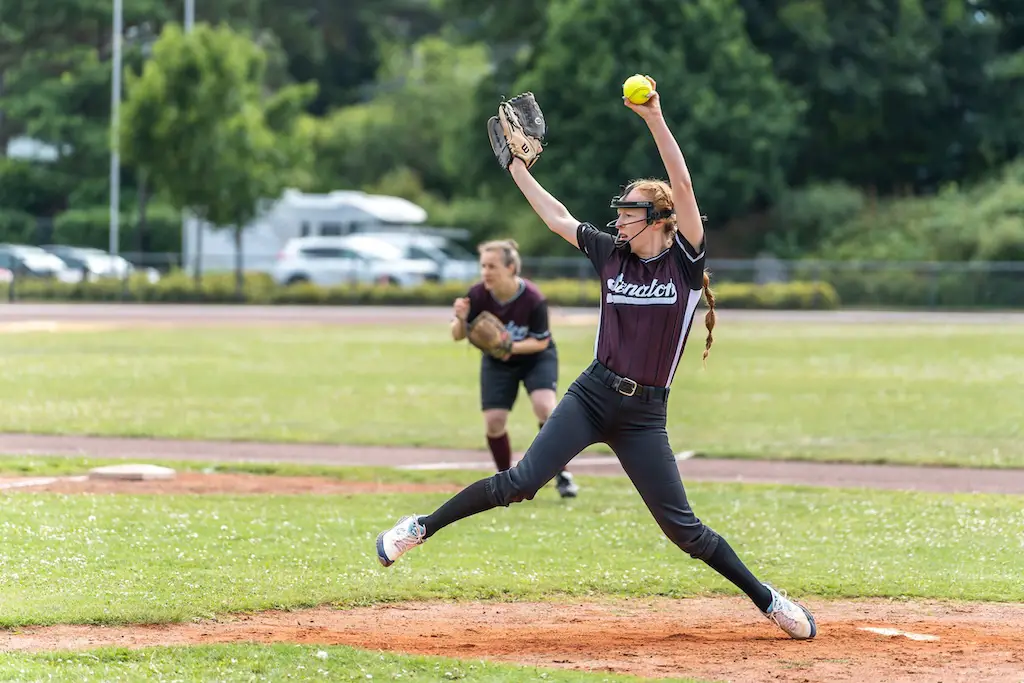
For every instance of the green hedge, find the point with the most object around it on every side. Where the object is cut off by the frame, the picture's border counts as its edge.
(16, 226)
(940, 285)
(259, 289)
(90, 227)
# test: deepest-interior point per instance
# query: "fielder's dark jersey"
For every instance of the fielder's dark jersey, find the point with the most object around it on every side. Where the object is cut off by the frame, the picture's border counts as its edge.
(525, 314)
(647, 305)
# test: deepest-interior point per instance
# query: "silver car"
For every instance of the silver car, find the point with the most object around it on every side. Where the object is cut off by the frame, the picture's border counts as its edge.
(30, 261)
(454, 262)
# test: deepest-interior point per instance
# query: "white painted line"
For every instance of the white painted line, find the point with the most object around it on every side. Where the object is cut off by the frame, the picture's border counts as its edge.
(897, 632)
(38, 481)
(685, 455)
(25, 483)
(609, 460)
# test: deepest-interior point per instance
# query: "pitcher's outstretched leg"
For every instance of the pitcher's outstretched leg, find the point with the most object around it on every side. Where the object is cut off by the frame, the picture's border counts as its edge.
(647, 458)
(569, 430)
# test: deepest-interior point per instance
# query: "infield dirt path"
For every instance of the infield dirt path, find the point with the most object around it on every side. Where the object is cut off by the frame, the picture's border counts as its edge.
(940, 479)
(708, 638)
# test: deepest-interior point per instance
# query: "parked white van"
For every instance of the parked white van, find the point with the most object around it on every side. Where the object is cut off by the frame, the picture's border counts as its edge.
(298, 214)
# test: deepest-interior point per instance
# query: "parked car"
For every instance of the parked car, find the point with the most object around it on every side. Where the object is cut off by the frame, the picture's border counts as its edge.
(454, 262)
(29, 261)
(329, 261)
(95, 263)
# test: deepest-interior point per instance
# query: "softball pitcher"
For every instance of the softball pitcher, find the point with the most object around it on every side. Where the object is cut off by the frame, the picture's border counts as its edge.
(533, 359)
(652, 276)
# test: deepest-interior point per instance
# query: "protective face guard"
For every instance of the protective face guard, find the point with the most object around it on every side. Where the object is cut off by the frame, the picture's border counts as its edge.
(650, 215)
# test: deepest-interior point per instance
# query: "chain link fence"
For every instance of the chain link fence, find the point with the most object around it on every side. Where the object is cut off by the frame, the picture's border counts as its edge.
(876, 284)
(858, 283)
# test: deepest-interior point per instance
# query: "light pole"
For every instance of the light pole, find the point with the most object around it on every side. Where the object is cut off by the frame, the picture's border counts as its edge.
(115, 114)
(190, 20)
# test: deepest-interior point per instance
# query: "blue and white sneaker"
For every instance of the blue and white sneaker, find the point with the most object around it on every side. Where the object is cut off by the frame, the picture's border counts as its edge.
(790, 616)
(403, 536)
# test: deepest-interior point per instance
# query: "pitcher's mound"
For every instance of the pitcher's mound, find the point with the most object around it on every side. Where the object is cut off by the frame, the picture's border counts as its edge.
(132, 472)
(719, 639)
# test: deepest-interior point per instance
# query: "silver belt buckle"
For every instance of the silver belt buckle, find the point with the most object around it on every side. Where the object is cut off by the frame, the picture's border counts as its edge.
(631, 391)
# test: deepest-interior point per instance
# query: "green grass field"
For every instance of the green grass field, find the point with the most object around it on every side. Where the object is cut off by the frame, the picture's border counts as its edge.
(128, 559)
(156, 558)
(277, 662)
(910, 394)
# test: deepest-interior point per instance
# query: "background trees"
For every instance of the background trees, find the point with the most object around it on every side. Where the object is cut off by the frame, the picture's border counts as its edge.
(805, 121)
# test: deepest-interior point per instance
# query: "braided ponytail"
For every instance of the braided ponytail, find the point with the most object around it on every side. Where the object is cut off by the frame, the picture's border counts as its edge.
(710, 317)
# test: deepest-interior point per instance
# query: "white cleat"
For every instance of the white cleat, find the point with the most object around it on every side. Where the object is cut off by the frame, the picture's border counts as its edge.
(792, 617)
(566, 485)
(403, 536)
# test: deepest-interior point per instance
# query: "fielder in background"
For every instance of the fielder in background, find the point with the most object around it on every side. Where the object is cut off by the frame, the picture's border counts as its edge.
(514, 312)
(652, 276)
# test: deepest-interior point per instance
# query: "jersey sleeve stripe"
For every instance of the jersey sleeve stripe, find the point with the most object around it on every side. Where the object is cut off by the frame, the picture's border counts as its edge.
(687, 249)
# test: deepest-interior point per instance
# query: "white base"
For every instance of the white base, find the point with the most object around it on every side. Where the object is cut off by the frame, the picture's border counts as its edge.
(132, 472)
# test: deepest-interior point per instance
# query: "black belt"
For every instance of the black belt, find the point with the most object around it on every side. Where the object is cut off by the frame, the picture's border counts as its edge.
(625, 385)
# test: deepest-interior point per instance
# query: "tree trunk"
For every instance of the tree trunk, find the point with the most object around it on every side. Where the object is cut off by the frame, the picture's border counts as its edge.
(141, 229)
(197, 263)
(3, 120)
(239, 266)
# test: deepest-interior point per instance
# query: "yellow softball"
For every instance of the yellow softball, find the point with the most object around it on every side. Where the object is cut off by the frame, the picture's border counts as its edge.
(637, 89)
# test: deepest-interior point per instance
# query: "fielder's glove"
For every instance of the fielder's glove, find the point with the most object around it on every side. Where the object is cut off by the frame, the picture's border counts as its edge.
(518, 130)
(488, 334)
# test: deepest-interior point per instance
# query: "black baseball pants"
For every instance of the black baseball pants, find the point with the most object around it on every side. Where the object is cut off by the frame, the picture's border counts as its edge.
(634, 427)
(593, 412)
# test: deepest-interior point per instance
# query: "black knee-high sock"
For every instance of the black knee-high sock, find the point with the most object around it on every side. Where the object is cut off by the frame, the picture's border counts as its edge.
(725, 561)
(501, 451)
(471, 500)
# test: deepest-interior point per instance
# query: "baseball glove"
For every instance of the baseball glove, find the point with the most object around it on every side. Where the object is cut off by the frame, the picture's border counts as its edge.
(488, 334)
(518, 130)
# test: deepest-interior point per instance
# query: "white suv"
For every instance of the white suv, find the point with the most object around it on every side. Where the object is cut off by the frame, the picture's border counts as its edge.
(454, 263)
(329, 261)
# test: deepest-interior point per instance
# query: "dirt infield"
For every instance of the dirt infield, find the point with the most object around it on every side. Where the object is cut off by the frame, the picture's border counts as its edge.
(711, 638)
(219, 483)
(909, 478)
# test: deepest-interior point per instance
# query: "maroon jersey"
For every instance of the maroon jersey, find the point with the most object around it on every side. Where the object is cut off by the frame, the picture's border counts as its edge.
(647, 305)
(525, 314)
